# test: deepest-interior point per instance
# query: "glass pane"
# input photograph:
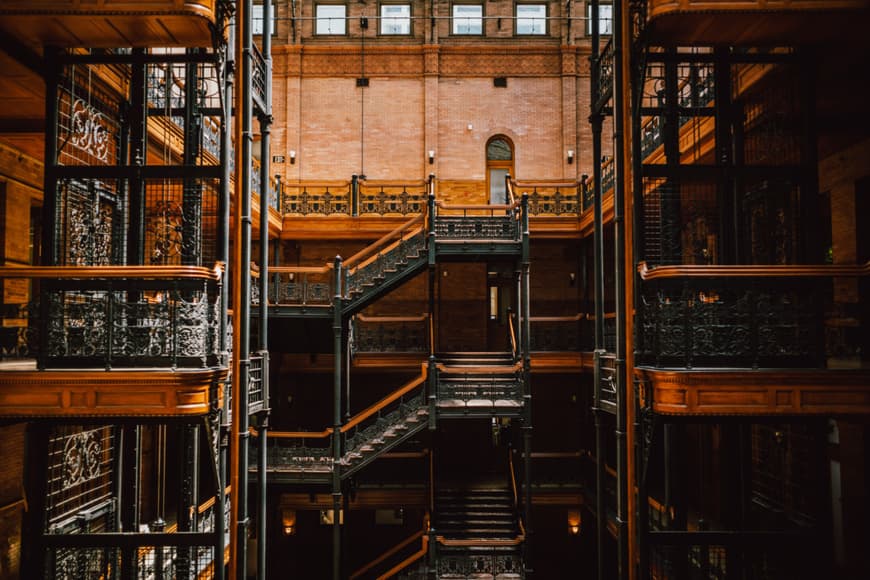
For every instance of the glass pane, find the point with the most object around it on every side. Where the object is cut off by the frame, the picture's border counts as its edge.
(396, 19)
(467, 19)
(497, 190)
(330, 19)
(498, 150)
(531, 19)
(605, 19)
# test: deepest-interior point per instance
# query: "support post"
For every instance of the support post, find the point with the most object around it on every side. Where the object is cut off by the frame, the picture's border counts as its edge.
(336, 423)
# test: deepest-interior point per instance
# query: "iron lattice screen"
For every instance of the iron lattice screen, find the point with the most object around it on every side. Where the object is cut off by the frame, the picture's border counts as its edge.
(680, 222)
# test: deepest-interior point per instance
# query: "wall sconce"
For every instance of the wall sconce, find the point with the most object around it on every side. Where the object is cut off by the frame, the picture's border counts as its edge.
(572, 277)
(570, 156)
(431, 157)
(574, 522)
(292, 157)
(288, 522)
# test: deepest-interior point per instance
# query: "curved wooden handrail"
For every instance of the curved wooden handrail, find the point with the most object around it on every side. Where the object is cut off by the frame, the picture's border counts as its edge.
(395, 395)
(512, 334)
(409, 540)
(575, 318)
(383, 319)
(384, 240)
(751, 271)
(479, 370)
(114, 272)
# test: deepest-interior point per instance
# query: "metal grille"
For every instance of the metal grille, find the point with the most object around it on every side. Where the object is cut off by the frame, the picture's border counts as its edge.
(90, 224)
(80, 471)
(770, 232)
(785, 464)
(773, 124)
(681, 222)
(181, 221)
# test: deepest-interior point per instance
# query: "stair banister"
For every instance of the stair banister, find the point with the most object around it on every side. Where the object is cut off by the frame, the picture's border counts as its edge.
(377, 407)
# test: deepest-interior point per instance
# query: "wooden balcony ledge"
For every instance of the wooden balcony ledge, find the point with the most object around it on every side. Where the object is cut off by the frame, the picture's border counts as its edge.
(92, 393)
(109, 23)
(759, 392)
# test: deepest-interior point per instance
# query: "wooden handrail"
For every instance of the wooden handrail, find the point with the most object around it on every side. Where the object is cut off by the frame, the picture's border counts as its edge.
(512, 334)
(513, 478)
(387, 183)
(366, 260)
(305, 184)
(362, 416)
(384, 319)
(409, 540)
(407, 561)
(607, 316)
(751, 271)
(479, 370)
(481, 542)
(114, 272)
(480, 206)
(300, 269)
(383, 240)
(575, 318)
(293, 434)
(569, 183)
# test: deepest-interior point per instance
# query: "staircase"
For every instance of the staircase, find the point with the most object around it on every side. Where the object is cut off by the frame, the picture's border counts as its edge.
(478, 533)
(479, 384)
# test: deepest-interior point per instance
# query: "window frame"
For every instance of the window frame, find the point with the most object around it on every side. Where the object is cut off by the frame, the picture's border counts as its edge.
(532, 19)
(258, 9)
(382, 18)
(609, 19)
(453, 18)
(343, 18)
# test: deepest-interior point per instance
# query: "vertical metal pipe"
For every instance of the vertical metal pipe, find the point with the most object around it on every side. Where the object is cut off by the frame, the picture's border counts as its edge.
(336, 424)
(619, 90)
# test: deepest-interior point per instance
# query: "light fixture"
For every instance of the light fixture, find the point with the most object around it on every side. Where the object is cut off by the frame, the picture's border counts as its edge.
(292, 156)
(470, 126)
(570, 156)
(574, 522)
(431, 157)
(288, 521)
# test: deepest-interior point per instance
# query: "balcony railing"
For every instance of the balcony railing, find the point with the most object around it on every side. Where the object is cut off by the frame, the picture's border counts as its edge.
(258, 383)
(390, 334)
(111, 317)
(555, 198)
(317, 198)
(391, 198)
(746, 316)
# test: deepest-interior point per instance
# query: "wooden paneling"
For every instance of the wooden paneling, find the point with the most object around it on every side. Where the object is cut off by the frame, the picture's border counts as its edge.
(139, 393)
(774, 392)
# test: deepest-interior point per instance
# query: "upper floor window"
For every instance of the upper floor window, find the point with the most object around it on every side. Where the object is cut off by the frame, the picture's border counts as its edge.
(468, 19)
(257, 19)
(605, 19)
(330, 19)
(395, 19)
(531, 19)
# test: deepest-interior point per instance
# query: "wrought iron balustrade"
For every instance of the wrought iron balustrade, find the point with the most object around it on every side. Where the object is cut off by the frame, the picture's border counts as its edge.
(399, 334)
(384, 258)
(258, 79)
(477, 223)
(605, 74)
(743, 316)
(258, 382)
(388, 198)
(299, 453)
(301, 286)
(366, 431)
(317, 198)
(112, 317)
(556, 198)
(471, 565)
(479, 387)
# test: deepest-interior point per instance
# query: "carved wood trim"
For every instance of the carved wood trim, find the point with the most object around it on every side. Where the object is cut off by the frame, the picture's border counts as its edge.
(765, 392)
(92, 393)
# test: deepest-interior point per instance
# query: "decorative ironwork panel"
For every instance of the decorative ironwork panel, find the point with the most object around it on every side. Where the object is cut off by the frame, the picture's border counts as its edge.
(605, 71)
(394, 336)
(477, 228)
(732, 322)
(80, 472)
(497, 390)
(378, 426)
(770, 230)
(469, 565)
(181, 222)
(555, 335)
(89, 128)
(392, 200)
(555, 200)
(681, 223)
(298, 458)
(386, 264)
(317, 200)
(90, 229)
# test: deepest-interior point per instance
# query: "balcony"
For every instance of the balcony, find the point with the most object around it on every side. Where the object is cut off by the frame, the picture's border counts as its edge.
(749, 22)
(753, 339)
(111, 23)
(109, 341)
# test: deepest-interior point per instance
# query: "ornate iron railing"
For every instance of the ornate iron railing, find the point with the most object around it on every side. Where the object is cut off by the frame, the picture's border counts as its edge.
(380, 334)
(469, 565)
(552, 198)
(605, 73)
(125, 316)
(556, 333)
(258, 383)
(301, 286)
(744, 316)
(386, 198)
(256, 186)
(317, 198)
(258, 78)
(477, 223)
(479, 386)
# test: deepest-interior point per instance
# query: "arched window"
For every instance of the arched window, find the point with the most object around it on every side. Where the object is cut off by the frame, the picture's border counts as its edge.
(499, 163)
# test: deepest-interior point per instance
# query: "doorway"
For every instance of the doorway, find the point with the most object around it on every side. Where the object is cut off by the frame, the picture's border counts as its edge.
(499, 163)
